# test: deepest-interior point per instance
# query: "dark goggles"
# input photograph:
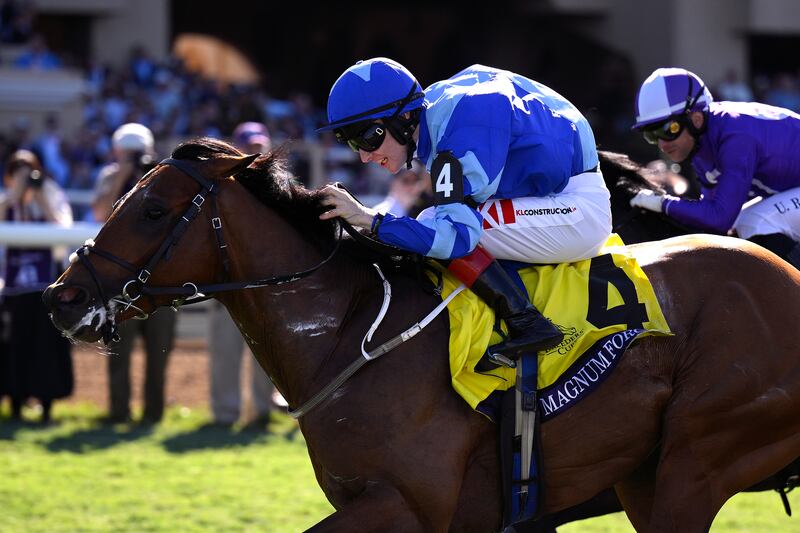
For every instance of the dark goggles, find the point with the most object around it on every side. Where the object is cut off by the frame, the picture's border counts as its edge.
(367, 137)
(666, 131)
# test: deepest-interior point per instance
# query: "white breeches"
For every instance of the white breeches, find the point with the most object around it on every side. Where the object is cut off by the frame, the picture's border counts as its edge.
(561, 228)
(780, 213)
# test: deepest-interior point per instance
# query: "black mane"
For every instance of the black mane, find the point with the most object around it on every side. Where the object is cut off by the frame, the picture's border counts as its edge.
(624, 178)
(633, 176)
(268, 179)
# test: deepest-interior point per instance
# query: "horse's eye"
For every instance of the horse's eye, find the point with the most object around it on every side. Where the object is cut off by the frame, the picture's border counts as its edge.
(154, 213)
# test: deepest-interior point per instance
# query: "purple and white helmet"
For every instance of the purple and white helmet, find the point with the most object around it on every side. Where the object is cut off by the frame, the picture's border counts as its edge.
(668, 92)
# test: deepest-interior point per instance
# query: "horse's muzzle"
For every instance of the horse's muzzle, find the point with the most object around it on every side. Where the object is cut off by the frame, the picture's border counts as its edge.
(68, 305)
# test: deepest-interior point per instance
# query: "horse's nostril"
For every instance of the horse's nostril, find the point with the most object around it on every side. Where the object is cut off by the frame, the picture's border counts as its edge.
(71, 296)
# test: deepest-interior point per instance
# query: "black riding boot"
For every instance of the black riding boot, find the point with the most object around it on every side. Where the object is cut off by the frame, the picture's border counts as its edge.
(528, 330)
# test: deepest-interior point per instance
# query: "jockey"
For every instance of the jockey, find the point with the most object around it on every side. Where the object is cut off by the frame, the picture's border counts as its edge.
(514, 171)
(739, 150)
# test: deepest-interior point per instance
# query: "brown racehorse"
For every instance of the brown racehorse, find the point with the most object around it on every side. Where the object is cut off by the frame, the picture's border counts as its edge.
(681, 425)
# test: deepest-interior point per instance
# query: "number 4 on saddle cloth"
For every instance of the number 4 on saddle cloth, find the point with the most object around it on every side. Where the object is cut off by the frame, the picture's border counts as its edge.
(601, 305)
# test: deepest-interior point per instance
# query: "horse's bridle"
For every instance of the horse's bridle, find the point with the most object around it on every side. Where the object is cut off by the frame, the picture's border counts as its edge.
(189, 292)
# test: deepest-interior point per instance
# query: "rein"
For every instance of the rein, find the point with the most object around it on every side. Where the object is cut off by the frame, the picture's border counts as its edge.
(387, 346)
(189, 292)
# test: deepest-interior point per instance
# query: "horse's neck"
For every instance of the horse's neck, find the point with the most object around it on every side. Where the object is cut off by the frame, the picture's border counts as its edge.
(292, 328)
(635, 225)
(295, 330)
(630, 223)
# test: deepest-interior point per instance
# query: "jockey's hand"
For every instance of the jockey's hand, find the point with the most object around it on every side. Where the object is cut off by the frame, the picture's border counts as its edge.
(647, 199)
(345, 206)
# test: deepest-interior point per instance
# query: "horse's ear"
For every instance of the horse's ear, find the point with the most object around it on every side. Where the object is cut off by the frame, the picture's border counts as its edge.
(228, 165)
(246, 160)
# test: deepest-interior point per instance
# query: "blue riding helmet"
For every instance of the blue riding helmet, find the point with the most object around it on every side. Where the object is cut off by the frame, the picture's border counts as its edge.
(371, 89)
(670, 92)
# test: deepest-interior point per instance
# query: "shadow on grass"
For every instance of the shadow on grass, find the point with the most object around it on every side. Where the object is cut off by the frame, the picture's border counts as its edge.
(98, 438)
(10, 427)
(211, 436)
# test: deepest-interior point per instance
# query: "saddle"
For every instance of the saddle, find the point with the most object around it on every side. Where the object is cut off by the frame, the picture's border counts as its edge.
(602, 305)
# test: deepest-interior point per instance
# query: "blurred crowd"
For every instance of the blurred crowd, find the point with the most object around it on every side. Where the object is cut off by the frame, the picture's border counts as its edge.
(176, 104)
(173, 104)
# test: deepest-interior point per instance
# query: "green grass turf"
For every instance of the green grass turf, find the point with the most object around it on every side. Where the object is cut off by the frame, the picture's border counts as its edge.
(183, 475)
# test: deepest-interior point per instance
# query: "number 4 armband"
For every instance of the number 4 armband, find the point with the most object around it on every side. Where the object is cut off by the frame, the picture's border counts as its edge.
(447, 177)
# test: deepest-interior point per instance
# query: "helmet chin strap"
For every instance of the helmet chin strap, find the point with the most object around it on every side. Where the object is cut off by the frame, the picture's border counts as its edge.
(410, 149)
(402, 129)
(695, 132)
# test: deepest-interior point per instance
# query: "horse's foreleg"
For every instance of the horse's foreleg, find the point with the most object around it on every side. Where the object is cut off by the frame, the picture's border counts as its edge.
(636, 493)
(381, 507)
(684, 500)
(479, 505)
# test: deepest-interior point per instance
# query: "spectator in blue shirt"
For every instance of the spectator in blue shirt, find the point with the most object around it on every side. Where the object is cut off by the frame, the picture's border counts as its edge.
(37, 56)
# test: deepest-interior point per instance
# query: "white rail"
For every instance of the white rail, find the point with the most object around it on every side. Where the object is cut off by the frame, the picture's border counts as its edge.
(42, 235)
(34, 234)
(192, 320)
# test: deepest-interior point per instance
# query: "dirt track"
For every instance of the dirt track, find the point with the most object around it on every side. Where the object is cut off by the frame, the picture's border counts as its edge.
(187, 375)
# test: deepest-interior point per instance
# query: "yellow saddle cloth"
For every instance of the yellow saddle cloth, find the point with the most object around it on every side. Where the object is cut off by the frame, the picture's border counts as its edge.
(600, 304)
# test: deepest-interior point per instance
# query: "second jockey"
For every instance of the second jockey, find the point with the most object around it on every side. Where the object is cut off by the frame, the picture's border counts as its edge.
(745, 154)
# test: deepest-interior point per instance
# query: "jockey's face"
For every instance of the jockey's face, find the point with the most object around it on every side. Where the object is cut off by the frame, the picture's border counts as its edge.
(391, 155)
(679, 149)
